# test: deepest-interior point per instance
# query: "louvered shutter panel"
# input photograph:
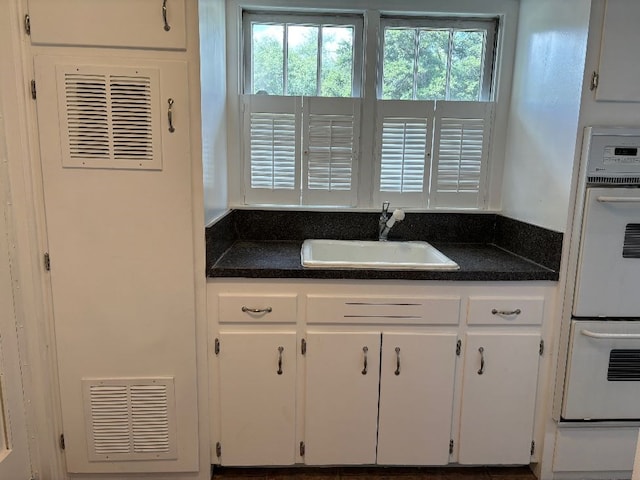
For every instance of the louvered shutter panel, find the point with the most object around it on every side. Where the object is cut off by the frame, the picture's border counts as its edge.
(461, 147)
(271, 130)
(109, 117)
(331, 138)
(404, 151)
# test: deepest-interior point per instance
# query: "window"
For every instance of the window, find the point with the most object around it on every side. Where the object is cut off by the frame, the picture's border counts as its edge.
(302, 55)
(437, 59)
(304, 101)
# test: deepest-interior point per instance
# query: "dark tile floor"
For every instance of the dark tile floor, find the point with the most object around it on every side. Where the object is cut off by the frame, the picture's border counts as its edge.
(377, 473)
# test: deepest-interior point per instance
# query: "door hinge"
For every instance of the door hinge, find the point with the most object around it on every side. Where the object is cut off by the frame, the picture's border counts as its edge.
(218, 449)
(33, 89)
(450, 447)
(541, 350)
(62, 445)
(303, 346)
(595, 80)
(533, 447)
(458, 347)
(216, 346)
(302, 449)
(47, 262)
(27, 24)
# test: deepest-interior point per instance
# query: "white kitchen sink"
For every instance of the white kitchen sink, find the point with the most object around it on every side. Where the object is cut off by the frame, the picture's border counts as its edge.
(374, 255)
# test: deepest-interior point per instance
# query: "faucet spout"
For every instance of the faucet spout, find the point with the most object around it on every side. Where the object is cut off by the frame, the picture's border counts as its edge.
(386, 222)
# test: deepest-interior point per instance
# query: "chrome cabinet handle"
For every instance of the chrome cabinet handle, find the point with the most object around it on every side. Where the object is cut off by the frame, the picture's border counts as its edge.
(365, 350)
(481, 371)
(506, 313)
(170, 115)
(397, 372)
(280, 350)
(256, 310)
(167, 27)
(589, 333)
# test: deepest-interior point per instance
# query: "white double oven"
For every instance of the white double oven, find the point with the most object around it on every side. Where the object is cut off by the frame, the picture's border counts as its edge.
(603, 374)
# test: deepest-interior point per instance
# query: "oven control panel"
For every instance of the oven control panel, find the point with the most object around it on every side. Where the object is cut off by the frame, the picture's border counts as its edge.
(613, 155)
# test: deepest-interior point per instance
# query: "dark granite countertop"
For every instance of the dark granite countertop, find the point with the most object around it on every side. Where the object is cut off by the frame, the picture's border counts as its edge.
(281, 259)
(488, 247)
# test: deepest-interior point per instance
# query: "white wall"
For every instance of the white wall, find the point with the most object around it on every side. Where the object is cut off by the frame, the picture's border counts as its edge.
(213, 93)
(544, 113)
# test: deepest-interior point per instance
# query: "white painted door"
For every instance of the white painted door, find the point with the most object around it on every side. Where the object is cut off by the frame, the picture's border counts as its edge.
(14, 452)
(416, 398)
(257, 398)
(499, 391)
(117, 180)
(341, 412)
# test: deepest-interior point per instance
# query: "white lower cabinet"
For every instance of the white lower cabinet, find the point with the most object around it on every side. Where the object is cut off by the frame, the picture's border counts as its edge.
(416, 398)
(498, 397)
(257, 398)
(376, 374)
(341, 405)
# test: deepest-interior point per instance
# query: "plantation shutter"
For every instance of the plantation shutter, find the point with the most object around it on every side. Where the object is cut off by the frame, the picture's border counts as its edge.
(331, 137)
(272, 149)
(461, 146)
(403, 134)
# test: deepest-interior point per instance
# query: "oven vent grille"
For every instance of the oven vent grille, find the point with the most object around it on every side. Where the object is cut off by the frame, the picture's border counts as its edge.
(613, 180)
(631, 245)
(624, 366)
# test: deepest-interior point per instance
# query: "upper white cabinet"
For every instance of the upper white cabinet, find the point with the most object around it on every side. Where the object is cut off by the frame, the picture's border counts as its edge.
(619, 67)
(158, 24)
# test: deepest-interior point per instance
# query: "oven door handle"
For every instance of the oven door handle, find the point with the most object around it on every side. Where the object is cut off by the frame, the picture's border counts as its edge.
(618, 199)
(589, 333)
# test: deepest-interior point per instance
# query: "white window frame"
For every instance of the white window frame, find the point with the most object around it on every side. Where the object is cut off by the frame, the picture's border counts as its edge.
(312, 19)
(489, 25)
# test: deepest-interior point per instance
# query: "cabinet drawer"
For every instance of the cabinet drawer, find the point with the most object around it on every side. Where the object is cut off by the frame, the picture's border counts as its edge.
(239, 308)
(505, 310)
(378, 309)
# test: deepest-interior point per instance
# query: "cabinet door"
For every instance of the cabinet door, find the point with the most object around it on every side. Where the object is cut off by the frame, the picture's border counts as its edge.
(257, 398)
(499, 391)
(416, 398)
(119, 215)
(113, 23)
(619, 56)
(341, 397)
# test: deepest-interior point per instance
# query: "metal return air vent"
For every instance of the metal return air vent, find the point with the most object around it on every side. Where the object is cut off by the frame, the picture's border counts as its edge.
(130, 419)
(111, 116)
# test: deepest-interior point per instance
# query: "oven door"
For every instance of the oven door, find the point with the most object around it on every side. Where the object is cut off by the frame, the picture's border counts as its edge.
(609, 265)
(603, 376)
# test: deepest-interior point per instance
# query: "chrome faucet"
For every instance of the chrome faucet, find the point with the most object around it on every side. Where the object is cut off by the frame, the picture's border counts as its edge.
(386, 221)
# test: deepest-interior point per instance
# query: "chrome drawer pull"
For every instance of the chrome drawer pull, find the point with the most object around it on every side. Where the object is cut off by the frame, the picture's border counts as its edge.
(506, 313)
(604, 336)
(256, 310)
(481, 371)
(280, 350)
(397, 372)
(365, 350)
